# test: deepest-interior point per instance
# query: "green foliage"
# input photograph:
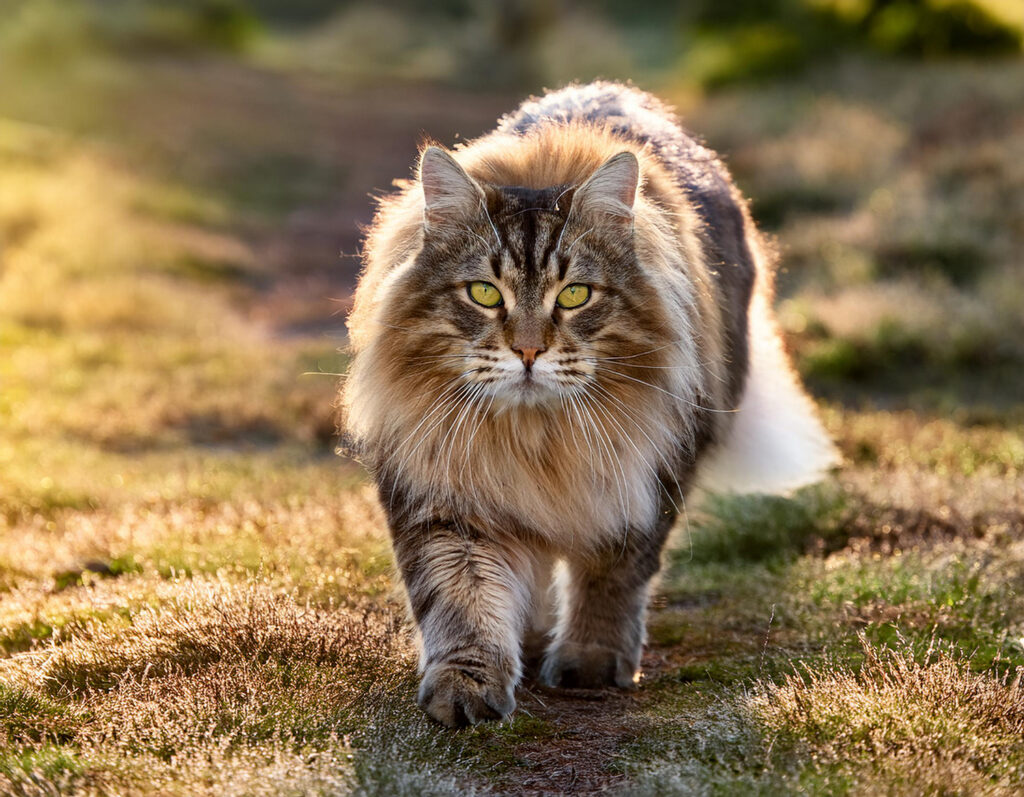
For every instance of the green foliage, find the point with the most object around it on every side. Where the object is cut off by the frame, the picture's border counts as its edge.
(892, 348)
(39, 765)
(730, 42)
(760, 528)
(27, 716)
(112, 568)
(46, 32)
(928, 27)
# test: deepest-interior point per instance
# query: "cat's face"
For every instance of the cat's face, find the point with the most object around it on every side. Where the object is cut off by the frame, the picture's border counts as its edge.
(525, 296)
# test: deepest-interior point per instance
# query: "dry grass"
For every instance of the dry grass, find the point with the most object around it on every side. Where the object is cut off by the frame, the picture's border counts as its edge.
(234, 681)
(206, 623)
(318, 541)
(927, 725)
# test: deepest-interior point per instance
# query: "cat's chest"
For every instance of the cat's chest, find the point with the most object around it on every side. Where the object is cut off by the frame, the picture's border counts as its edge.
(570, 488)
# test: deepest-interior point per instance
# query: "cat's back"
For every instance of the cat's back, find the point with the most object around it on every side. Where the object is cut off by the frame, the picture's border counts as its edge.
(637, 116)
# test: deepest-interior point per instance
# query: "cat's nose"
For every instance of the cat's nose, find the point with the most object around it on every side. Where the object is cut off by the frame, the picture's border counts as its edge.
(528, 354)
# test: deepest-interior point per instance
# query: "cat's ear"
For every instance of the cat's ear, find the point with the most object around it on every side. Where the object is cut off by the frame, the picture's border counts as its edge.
(609, 193)
(449, 194)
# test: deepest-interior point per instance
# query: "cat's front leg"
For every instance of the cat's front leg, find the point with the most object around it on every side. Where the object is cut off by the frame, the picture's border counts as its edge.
(469, 595)
(602, 614)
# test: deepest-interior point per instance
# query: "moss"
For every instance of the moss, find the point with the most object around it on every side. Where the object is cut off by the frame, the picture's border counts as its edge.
(724, 673)
(494, 748)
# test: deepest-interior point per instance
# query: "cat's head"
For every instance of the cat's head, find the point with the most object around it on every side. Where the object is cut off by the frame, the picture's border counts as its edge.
(526, 296)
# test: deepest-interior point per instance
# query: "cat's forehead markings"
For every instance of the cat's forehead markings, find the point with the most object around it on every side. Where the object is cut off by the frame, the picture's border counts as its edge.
(530, 223)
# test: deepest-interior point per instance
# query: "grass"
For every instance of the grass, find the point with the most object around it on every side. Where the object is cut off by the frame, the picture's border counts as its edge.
(197, 596)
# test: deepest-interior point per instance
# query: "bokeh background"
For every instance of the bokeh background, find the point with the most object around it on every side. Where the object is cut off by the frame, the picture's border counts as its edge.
(182, 186)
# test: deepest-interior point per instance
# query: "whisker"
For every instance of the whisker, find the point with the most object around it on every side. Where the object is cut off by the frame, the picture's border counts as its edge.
(584, 428)
(453, 431)
(579, 238)
(436, 357)
(605, 439)
(487, 214)
(526, 210)
(639, 354)
(451, 405)
(629, 415)
(617, 461)
(666, 392)
(462, 228)
(663, 367)
(559, 198)
(447, 399)
(482, 417)
(643, 459)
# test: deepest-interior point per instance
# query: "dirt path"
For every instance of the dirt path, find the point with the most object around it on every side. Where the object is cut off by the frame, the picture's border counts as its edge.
(587, 732)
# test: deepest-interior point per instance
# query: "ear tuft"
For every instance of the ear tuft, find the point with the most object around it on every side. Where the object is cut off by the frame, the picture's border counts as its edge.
(610, 192)
(449, 194)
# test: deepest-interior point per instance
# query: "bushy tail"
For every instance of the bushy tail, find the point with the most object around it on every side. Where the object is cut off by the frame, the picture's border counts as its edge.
(776, 442)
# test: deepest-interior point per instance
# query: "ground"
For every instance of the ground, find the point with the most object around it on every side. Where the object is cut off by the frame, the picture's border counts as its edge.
(197, 594)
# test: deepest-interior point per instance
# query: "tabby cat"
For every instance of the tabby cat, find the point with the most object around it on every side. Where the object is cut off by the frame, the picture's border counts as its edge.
(561, 328)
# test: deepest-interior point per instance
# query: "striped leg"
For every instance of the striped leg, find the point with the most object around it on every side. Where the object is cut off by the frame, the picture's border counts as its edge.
(602, 616)
(470, 597)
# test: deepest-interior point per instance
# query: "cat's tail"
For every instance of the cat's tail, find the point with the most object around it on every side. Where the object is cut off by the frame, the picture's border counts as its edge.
(776, 442)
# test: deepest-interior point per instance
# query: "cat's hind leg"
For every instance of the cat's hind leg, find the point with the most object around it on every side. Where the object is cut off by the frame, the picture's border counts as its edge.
(602, 615)
(542, 617)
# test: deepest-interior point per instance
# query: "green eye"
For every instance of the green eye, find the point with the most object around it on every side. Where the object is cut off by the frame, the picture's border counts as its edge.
(485, 294)
(575, 295)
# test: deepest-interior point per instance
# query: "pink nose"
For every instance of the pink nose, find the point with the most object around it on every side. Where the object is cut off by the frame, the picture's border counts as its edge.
(528, 354)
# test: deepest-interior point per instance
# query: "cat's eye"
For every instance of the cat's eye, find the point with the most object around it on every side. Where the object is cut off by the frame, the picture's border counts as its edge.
(572, 296)
(483, 293)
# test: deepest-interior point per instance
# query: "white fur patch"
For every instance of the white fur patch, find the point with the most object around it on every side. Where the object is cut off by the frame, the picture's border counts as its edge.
(776, 442)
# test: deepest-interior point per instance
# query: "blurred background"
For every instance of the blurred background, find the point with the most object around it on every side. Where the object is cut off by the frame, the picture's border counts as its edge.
(182, 187)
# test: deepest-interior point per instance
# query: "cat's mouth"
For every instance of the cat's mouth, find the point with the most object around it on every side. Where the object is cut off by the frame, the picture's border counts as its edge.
(530, 388)
(509, 383)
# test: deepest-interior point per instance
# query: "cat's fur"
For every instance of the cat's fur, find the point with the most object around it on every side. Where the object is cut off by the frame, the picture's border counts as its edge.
(505, 440)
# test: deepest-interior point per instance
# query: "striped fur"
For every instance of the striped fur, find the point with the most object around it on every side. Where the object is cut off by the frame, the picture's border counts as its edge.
(491, 471)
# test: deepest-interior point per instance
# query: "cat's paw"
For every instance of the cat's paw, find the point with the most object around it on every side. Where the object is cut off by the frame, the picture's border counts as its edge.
(456, 696)
(581, 666)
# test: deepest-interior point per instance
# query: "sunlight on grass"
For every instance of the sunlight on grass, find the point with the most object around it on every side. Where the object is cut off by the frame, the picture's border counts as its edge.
(920, 725)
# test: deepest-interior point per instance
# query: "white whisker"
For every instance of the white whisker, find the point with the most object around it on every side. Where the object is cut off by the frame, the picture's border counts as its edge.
(483, 206)
(617, 469)
(633, 356)
(661, 389)
(448, 399)
(579, 238)
(654, 447)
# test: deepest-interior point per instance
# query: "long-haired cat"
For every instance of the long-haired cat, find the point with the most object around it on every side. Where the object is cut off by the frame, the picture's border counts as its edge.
(560, 329)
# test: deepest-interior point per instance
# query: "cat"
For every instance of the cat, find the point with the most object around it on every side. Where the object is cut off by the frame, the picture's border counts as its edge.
(560, 329)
